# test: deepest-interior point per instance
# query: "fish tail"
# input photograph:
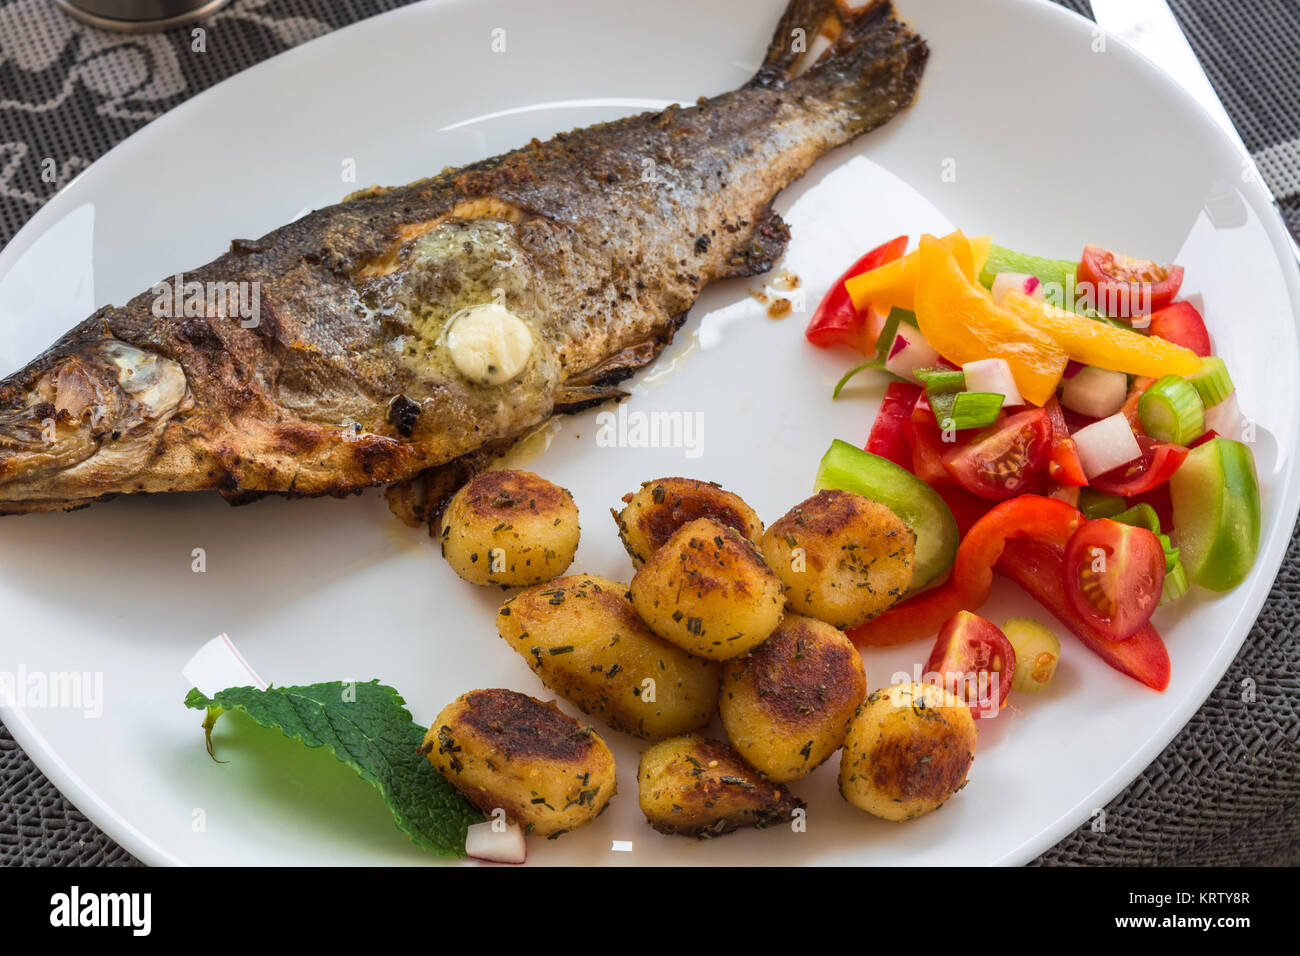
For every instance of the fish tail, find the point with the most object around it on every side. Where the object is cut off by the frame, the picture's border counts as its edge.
(870, 72)
(795, 31)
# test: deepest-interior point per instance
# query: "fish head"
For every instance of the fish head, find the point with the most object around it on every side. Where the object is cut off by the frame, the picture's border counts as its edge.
(87, 412)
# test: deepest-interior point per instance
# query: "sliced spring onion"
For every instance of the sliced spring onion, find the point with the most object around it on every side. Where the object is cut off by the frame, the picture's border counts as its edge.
(1171, 410)
(938, 380)
(1212, 381)
(1176, 583)
(993, 375)
(1144, 516)
(1098, 504)
(974, 409)
(884, 341)
(839, 386)
(941, 388)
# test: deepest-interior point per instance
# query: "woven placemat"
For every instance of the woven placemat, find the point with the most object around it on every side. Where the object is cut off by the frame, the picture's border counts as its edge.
(1226, 790)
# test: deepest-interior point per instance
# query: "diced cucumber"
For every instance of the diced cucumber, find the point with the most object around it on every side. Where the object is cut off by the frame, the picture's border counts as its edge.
(1058, 272)
(1037, 652)
(846, 467)
(1215, 497)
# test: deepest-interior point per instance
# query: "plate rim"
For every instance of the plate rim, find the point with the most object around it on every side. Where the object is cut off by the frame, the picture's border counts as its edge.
(47, 759)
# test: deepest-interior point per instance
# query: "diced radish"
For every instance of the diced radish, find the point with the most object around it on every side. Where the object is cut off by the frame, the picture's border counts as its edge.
(1106, 444)
(1225, 418)
(993, 375)
(1029, 285)
(910, 351)
(1096, 392)
(482, 842)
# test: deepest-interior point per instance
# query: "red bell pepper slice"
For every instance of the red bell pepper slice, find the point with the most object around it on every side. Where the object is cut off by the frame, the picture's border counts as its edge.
(971, 581)
(887, 438)
(836, 321)
(1037, 566)
(1181, 324)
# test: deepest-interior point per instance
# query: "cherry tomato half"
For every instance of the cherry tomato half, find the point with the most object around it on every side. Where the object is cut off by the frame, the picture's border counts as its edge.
(1114, 574)
(974, 660)
(1002, 461)
(1123, 287)
(1157, 464)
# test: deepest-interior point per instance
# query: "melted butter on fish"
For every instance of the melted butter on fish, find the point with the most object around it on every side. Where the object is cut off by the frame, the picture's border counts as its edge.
(489, 344)
(474, 314)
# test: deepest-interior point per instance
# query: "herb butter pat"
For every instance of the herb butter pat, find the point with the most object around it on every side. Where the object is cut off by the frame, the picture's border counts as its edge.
(489, 344)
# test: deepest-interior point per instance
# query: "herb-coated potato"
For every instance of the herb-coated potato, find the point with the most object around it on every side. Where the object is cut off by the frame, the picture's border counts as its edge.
(787, 704)
(510, 528)
(843, 558)
(694, 786)
(660, 507)
(582, 637)
(708, 591)
(505, 749)
(907, 751)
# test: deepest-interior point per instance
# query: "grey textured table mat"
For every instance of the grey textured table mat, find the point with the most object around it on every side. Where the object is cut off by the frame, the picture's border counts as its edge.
(1226, 790)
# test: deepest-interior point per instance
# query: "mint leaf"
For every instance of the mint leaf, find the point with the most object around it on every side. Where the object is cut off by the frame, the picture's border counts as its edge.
(368, 727)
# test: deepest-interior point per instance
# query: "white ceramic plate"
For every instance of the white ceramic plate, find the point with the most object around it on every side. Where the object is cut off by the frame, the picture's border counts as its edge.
(1023, 129)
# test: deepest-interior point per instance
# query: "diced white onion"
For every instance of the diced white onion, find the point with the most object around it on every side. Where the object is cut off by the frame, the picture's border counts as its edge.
(1095, 392)
(1106, 444)
(992, 375)
(910, 351)
(482, 842)
(1225, 418)
(1003, 282)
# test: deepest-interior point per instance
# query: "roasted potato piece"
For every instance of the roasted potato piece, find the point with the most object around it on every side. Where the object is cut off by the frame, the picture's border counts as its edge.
(505, 749)
(843, 558)
(694, 786)
(708, 591)
(907, 751)
(510, 528)
(660, 507)
(787, 704)
(582, 637)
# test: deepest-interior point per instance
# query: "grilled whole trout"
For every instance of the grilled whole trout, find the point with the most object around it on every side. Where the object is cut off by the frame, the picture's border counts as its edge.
(598, 240)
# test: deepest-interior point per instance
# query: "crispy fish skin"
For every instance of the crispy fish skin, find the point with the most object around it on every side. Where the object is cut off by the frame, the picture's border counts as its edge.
(599, 239)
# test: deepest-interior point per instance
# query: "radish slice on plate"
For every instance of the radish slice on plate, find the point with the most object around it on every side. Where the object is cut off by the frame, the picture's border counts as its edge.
(1106, 444)
(1029, 285)
(910, 351)
(482, 842)
(1095, 392)
(993, 375)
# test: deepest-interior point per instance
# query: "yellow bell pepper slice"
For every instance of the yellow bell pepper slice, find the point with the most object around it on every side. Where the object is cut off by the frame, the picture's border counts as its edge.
(1100, 343)
(893, 285)
(964, 324)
